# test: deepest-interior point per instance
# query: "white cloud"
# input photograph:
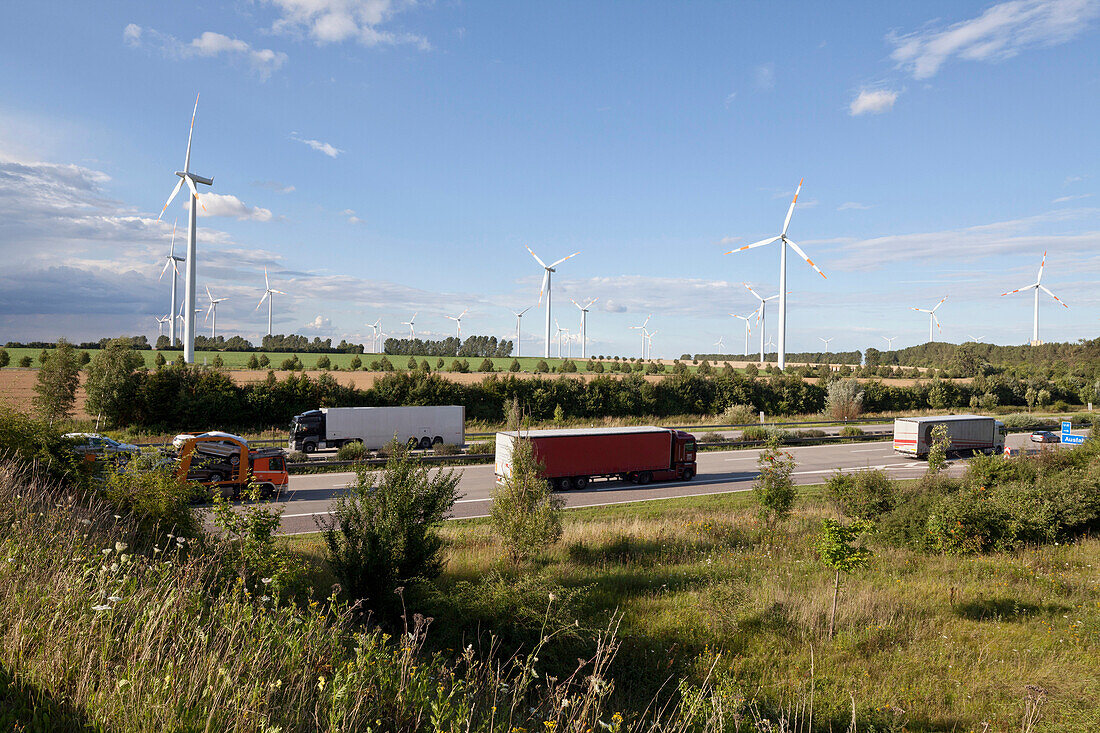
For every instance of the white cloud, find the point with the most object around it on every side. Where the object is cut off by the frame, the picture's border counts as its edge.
(319, 323)
(1000, 32)
(263, 61)
(873, 101)
(764, 76)
(351, 217)
(335, 21)
(321, 147)
(1075, 197)
(729, 99)
(852, 206)
(229, 205)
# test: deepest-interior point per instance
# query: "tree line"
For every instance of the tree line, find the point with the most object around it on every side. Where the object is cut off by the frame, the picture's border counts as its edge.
(482, 346)
(806, 357)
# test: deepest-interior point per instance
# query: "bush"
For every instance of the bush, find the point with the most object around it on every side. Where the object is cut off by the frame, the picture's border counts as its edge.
(264, 361)
(113, 381)
(1022, 421)
(446, 449)
(253, 362)
(290, 364)
(485, 366)
(739, 415)
(353, 451)
(356, 363)
(297, 456)
(811, 433)
(159, 359)
(218, 362)
(568, 366)
(514, 366)
(526, 514)
(844, 400)
(159, 503)
(542, 367)
(774, 490)
(383, 531)
(482, 448)
(411, 364)
(754, 432)
(712, 438)
(25, 362)
(850, 431)
(866, 494)
(460, 365)
(323, 362)
(5, 358)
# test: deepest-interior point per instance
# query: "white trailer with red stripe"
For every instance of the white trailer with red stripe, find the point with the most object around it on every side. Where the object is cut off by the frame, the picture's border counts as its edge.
(966, 433)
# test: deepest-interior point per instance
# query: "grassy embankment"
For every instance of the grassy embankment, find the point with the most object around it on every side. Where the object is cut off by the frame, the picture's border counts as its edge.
(952, 641)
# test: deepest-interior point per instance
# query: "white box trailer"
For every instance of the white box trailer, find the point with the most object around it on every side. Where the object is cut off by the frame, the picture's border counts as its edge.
(966, 433)
(418, 427)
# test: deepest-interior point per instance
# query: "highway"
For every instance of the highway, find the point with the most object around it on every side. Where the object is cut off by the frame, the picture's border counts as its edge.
(310, 496)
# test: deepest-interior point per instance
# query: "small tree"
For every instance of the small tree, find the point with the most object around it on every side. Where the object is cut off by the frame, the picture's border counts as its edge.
(598, 367)
(559, 414)
(411, 364)
(162, 343)
(844, 399)
(264, 361)
(113, 380)
(218, 362)
(542, 367)
(25, 362)
(568, 366)
(253, 362)
(752, 370)
(85, 358)
(937, 452)
(159, 360)
(1031, 396)
(323, 362)
(356, 362)
(43, 356)
(383, 531)
(425, 366)
(834, 548)
(439, 363)
(526, 514)
(514, 366)
(5, 358)
(55, 392)
(485, 366)
(774, 489)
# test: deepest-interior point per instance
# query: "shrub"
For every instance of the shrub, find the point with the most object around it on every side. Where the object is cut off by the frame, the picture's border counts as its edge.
(159, 503)
(811, 433)
(866, 494)
(752, 370)
(356, 362)
(5, 358)
(774, 490)
(323, 362)
(542, 367)
(485, 366)
(460, 365)
(253, 362)
(411, 364)
(482, 448)
(218, 362)
(446, 449)
(439, 363)
(383, 531)
(297, 456)
(353, 451)
(1022, 421)
(850, 431)
(598, 367)
(711, 437)
(526, 514)
(937, 452)
(754, 432)
(385, 365)
(264, 361)
(568, 366)
(159, 359)
(25, 362)
(514, 366)
(739, 415)
(844, 399)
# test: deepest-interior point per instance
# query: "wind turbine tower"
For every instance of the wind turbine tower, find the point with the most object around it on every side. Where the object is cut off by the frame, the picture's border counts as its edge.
(213, 311)
(642, 329)
(720, 344)
(171, 261)
(783, 243)
(748, 330)
(269, 292)
(933, 322)
(548, 269)
(889, 342)
(186, 176)
(761, 317)
(826, 342)
(410, 323)
(584, 324)
(519, 320)
(458, 322)
(1036, 286)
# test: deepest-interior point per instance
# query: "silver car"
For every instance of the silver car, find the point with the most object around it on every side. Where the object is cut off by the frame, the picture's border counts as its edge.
(100, 446)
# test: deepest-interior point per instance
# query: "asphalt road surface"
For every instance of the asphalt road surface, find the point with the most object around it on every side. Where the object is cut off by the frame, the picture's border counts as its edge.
(310, 496)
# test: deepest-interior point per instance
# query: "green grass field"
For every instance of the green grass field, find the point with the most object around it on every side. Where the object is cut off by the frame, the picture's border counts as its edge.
(239, 360)
(929, 642)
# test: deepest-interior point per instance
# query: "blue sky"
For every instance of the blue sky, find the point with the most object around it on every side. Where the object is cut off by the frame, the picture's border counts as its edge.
(385, 157)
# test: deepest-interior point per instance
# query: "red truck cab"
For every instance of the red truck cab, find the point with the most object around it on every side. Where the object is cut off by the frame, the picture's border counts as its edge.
(216, 459)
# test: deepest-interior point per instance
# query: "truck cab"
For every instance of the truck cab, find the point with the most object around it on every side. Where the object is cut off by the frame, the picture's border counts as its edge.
(226, 461)
(307, 431)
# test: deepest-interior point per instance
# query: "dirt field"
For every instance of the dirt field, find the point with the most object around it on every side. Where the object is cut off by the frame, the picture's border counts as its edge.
(17, 385)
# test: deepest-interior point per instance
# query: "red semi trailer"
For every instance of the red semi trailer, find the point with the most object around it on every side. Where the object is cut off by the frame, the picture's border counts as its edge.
(571, 458)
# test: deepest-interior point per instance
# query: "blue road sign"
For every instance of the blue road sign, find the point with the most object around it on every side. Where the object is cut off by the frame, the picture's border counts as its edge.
(1067, 427)
(1073, 439)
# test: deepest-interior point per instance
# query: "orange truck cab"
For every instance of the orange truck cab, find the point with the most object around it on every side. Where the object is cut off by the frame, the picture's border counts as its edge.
(225, 460)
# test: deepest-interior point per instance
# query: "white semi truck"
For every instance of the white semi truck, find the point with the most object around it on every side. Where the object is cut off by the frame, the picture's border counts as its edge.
(417, 427)
(966, 434)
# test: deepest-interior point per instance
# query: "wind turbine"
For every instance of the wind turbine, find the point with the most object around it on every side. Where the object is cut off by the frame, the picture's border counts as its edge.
(826, 342)
(720, 344)
(374, 327)
(783, 242)
(748, 330)
(975, 339)
(761, 317)
(649, 341)
(889, 342)
(584, 324)
(642, 329)
(160, 324)
(410, 323)
(519, 319)
(1036, 286)
(213, 311)
(171, 261)
(268, 293)
(186, 176)
(458, 321)
(560, 330)
(933, 322)
(546, 289)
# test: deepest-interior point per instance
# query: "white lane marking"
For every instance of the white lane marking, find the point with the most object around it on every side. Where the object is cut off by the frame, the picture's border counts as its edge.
(866, 450)
(748, 458)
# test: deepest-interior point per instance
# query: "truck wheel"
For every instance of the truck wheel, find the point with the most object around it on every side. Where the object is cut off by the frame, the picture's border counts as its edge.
(644, 477)
(437, 440)
(309, 447)
(580, 483)
(425, 442)
(216, 478)
(565, 484)
(687, 475)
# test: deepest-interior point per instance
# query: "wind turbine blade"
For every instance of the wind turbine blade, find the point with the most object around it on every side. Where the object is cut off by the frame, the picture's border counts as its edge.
(545, 281)
(263, 298)
(526, 309)
(165, 268)
(208, 295)
(190, 133)
(267, 284)
(575, 303)
(1041, 266)
(922, 310)
(937, 322)
(172, 248)
(208, 310)
(798, 249)
(194, 191)
(280, 292)
(171, 196)
(591, 303)
(1043, 288)
(790, 211)
(563, 259)
(749, 288)
(535, 256)
(761, 243)
(938, 304)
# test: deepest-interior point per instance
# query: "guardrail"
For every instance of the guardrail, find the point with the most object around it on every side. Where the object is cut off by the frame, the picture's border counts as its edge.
(741, 426)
